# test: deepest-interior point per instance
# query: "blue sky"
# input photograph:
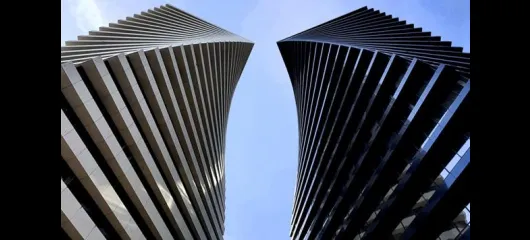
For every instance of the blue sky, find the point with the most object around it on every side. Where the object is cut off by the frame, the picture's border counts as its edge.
(262, 137)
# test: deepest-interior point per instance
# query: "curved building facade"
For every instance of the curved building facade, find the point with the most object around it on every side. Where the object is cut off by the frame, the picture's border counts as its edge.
(144, 110)
(383, 110)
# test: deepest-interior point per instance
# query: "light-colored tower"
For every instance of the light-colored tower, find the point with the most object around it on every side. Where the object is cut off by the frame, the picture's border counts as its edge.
(144, 109)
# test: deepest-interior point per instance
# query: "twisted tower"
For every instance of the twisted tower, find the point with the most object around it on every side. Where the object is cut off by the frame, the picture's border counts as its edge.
(144, 108)
(383, 110)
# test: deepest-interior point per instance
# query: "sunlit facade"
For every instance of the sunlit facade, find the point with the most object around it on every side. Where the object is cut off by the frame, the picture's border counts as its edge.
(144, 110)
(383, 110)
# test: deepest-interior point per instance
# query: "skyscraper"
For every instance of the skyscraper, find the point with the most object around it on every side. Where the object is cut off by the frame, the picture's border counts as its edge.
(144, 108)
(383, 110)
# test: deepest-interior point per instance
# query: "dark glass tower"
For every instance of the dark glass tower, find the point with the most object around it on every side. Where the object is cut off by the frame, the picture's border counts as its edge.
(383, 111)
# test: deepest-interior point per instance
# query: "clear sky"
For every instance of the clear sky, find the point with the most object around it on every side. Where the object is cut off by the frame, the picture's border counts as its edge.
(262, 137)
